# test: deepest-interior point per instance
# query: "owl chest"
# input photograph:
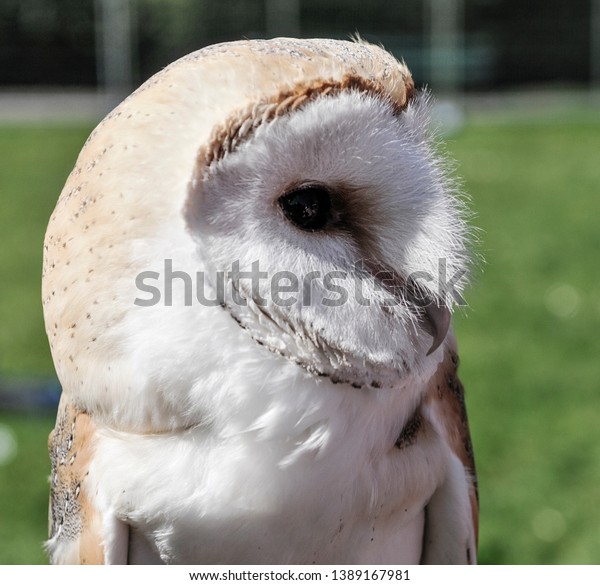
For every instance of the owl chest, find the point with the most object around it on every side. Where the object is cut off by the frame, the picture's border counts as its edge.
(337, 492)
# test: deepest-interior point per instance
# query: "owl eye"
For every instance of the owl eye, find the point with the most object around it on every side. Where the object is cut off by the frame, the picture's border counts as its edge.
(307, 207)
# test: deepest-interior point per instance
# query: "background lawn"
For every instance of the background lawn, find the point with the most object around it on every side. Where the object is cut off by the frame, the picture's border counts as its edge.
(529, 340)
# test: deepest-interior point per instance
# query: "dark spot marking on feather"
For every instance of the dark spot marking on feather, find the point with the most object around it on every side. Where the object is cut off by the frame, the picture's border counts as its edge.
(307, 366)
(410, 431)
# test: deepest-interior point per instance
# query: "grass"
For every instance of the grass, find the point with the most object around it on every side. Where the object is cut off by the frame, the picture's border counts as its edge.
(529, 342)
(24, 489)
(34, 164)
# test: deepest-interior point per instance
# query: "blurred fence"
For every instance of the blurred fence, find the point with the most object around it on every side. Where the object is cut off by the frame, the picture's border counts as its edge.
(474, 44)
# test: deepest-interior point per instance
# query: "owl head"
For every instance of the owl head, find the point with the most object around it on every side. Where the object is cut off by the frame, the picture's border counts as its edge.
(295, 186)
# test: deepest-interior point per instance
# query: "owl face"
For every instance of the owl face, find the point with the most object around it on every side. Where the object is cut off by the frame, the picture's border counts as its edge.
(307, 161)
(342, 204)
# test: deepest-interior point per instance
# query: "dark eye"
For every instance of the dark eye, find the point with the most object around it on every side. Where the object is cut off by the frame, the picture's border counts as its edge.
(307, 207)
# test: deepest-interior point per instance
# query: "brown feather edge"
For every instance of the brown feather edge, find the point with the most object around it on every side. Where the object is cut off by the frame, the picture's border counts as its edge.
(73, 518)
(239, 127)
(447, 393)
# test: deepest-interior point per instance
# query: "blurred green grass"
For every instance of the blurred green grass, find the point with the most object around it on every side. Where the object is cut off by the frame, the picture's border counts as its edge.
(24, 489)
(529, 340)
(529, 343)
(34, 163)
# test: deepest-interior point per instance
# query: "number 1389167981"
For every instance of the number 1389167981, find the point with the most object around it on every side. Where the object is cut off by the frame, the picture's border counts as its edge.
(370, 575)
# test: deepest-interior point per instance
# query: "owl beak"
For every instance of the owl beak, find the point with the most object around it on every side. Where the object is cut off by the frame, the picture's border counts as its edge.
(435, 317)
(436, 322)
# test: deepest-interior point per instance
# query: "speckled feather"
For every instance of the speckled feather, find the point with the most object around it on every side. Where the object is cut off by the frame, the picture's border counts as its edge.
(74, 522)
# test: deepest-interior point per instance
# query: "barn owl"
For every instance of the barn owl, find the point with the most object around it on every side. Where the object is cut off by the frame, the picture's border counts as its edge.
(326, 428)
